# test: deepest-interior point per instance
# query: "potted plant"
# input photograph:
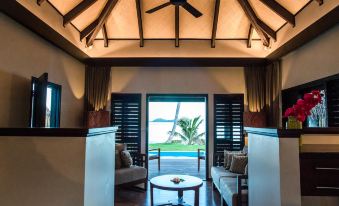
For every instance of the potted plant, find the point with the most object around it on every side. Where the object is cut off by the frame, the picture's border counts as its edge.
(298, 113)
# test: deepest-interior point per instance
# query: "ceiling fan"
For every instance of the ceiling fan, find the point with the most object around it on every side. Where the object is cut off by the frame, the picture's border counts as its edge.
(183, 3)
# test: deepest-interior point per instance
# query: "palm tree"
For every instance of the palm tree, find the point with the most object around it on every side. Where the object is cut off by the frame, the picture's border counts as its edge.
(189, 130)
(172, 132)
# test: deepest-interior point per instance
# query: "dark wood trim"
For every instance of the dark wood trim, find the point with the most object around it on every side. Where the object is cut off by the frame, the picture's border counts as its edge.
(215, 22)
(320, 2)
(88, 30)
(39, 2)
(76, 11)
(56, 132)
(104, 34)
(319, 27)
(176, 62)
(262, 29)
(328, 130)
(250, 35)
(280, 10)
(140, 26)
(177, 26)
(273, 132)
(20, 14)
(106, 11)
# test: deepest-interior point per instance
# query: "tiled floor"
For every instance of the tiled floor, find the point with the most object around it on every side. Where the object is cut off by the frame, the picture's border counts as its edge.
(127, 197)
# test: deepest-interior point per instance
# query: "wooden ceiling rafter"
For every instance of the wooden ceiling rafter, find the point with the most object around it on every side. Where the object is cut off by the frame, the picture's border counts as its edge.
(320, 2)
(262, 29)
(141, 31)
(104, 34)
(250, 36)
(177, 28)
(76, 11)
(39, 2)
(280, 10)
(215, 22)
(101, 20)
(88, 30)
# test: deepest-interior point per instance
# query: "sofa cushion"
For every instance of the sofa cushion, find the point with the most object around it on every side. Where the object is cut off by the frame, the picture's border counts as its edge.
(126, 158)
(238, 164)
(130, 174)
(117, 160)
(218, 173)
(118, 149)
(228, 190)
(228, 157)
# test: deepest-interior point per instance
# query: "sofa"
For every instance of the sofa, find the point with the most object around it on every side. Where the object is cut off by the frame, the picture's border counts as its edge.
(130, 176)
(231, 186)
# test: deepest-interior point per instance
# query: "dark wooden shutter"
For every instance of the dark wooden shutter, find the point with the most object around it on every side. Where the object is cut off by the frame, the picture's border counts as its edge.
(126, 114)
(228, 123)
(332, 91)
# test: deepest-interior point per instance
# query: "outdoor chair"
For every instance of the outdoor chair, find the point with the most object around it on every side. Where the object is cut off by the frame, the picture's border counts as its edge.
(200, 157)
(155, 156)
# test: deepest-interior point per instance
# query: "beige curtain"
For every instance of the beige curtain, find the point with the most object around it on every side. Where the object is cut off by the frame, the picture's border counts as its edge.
(273, 94)
(255, 88)
(263, 88)
(97, 87)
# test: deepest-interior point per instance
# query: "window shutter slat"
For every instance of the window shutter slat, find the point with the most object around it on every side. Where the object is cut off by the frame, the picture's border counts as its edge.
(228, 123)
(126, 114)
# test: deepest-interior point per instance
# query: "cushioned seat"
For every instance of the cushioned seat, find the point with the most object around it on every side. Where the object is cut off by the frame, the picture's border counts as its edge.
(130, 174)
(218, 172)
(228, 188)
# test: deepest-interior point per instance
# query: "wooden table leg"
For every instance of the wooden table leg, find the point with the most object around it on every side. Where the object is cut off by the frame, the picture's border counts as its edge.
(196, 197)
(152, 201)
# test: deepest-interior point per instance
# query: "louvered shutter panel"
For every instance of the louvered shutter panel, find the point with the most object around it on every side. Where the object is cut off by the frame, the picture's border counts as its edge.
(126, 114)
(333, 103)
(228, 123)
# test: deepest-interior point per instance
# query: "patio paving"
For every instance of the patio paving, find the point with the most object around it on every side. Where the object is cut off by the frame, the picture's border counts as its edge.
(177, 166)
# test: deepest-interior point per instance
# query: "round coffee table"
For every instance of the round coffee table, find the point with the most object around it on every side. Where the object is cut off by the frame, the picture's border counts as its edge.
(164, 183)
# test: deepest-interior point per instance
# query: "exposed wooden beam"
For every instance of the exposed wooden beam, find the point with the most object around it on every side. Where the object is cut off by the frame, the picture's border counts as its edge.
(320, 2)
(250, 35)
(176, 25)
(141, 31)
(76, 11)
(280, 10)
(262, 29)
(88, 30)
(39, 2)
(104, 34)
(215, 22)
(110, 4)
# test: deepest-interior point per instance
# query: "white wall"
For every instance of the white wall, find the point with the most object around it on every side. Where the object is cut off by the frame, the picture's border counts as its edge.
(179, 80)
(315, 60)
(24, 54)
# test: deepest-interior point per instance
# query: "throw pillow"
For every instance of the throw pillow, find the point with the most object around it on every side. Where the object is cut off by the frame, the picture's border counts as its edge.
(126, 158)
(238, 164)
(117, 160)
(228, 158)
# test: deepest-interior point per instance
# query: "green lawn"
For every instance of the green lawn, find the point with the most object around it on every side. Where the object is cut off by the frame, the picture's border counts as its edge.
(176, 147)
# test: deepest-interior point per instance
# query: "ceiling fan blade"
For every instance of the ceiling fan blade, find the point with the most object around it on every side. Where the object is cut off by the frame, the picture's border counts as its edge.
(192, 10)
(158, 7)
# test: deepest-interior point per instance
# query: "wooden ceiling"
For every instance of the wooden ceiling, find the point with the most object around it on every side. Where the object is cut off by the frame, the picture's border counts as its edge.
(221, 20)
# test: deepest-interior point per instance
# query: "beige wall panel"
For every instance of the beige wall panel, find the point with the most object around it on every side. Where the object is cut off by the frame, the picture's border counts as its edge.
(179, 80)
(23, 54)
(315, 60)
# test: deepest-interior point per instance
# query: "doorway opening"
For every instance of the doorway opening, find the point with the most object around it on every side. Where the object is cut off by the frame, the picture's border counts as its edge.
(177, 134)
